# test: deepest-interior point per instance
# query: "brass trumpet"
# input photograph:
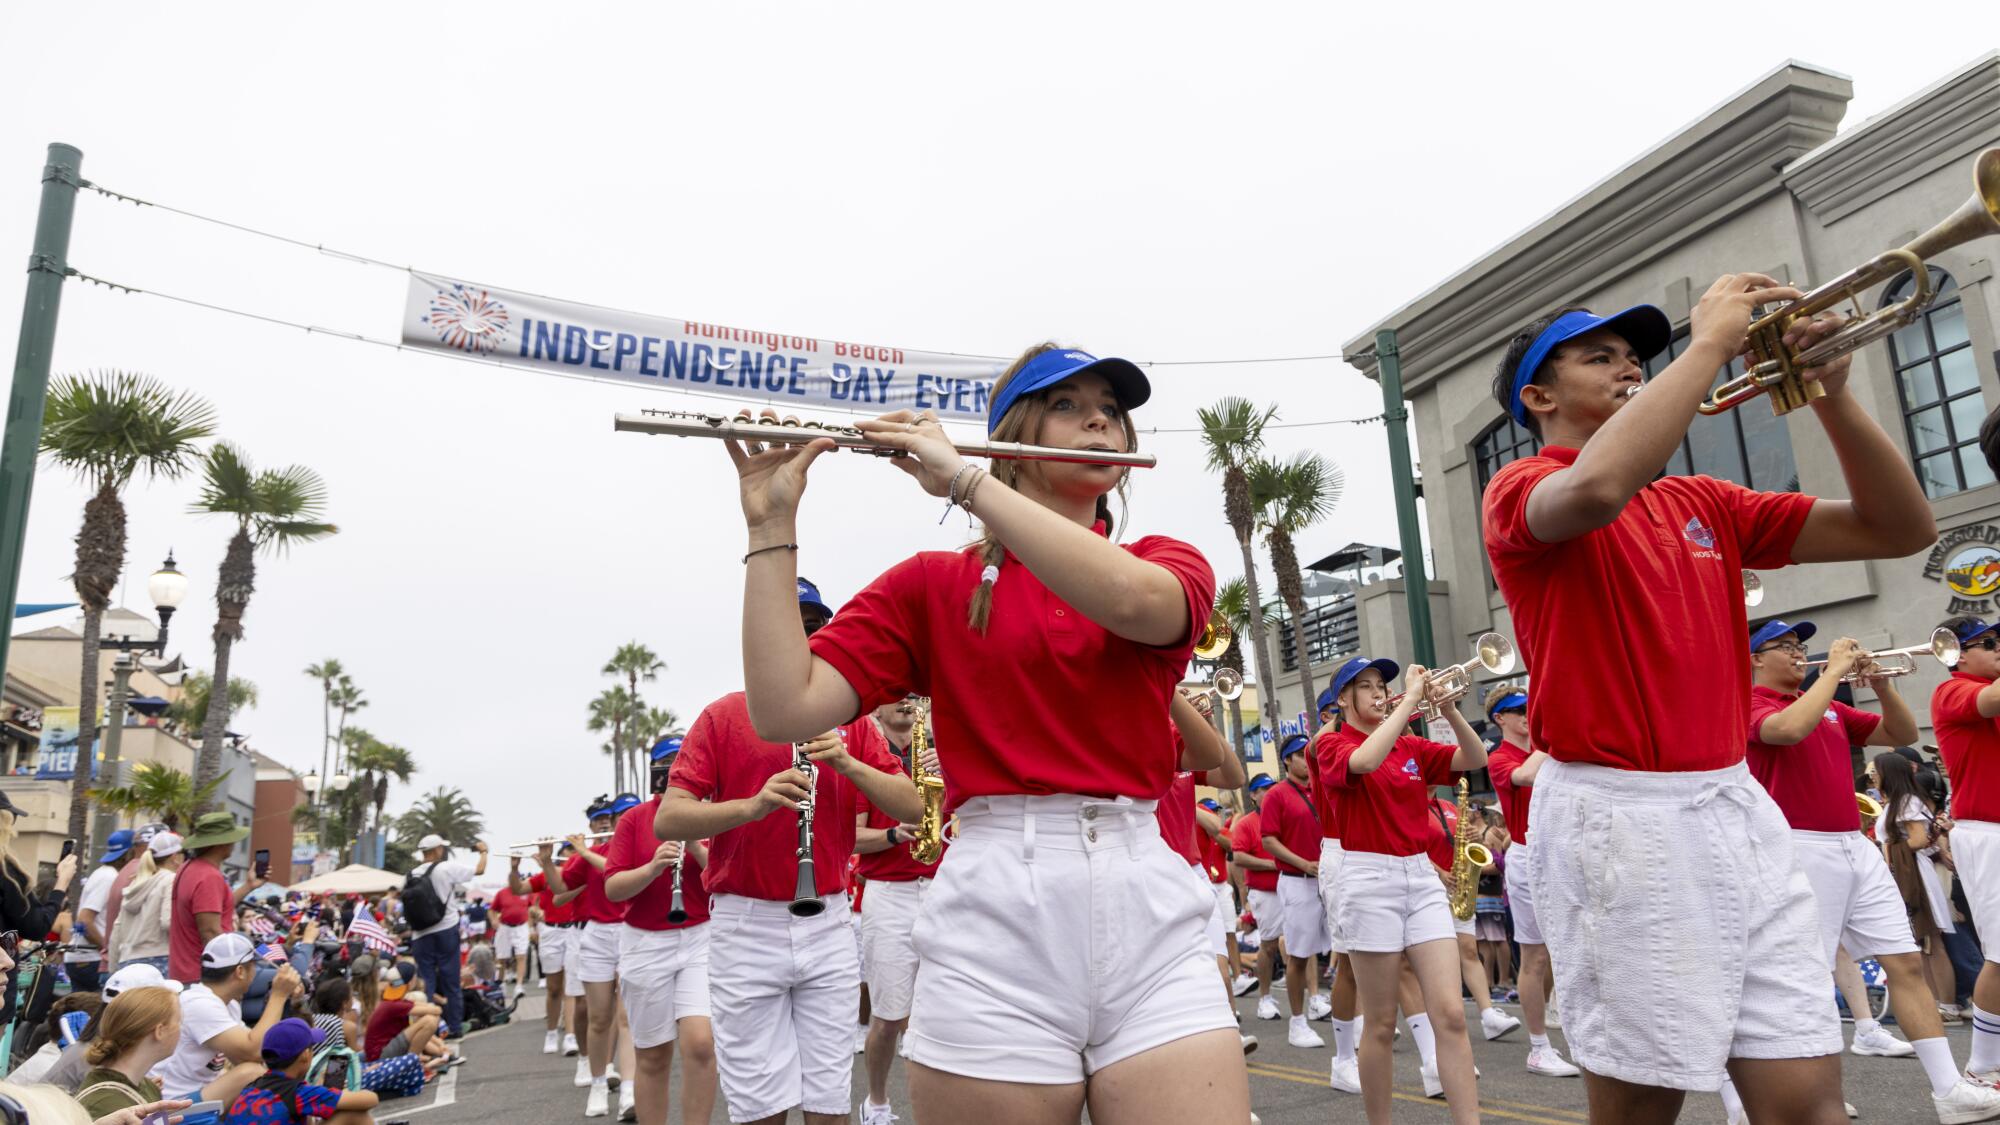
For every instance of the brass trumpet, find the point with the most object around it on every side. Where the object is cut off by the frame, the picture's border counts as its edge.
(1900, 661)
(1227, 684)
(1214, 639)
(1448, 685)
(1870, 807)
(1773, 368)
(1753, 589)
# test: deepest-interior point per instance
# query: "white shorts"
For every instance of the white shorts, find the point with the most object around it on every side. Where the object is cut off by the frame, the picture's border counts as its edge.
(1859, 905)
(785, 991)
(1389, 903)
(1304, 917)
(663, 979)
(1521, 894)
(1219, 919)
(1975, 844)
(1466, 926)
(1330, 856)
(1062, 935)
(1681, 928)
(597, 952)
(510, 941)
(1268, 914)
(889, 913)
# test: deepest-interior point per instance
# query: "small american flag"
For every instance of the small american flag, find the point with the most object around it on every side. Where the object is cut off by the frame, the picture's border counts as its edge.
(371, 932)
(261, 929)
(275, 954)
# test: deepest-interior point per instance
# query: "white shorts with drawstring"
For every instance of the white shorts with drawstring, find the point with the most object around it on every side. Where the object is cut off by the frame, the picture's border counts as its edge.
(1682, 930)
(1060, 936)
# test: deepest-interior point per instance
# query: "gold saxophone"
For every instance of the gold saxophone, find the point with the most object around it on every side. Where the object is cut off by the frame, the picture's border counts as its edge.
(1467, 857)
(929, 844)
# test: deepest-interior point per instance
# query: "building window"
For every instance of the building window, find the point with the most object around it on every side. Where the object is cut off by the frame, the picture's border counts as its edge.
(1938, 385)
(1502, 442)
(1748, 445)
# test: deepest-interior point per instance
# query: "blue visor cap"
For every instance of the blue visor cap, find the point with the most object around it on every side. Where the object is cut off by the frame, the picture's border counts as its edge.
(1358, 665)
(809, 595)
(666, 747)
(1210, 804)
(1512, 701)
(115, 847)
(1262, 782)
(1328, 698)
(1052, 367)
(1973, 627)
(1293, 745)
(624, 803)
(1771, 630)
(1646, 328)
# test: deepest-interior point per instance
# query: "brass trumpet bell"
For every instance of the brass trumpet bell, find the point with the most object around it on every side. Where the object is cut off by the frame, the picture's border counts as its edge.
(1870, 807)
(1214, 639)
(1753, 589)
(1227, 685)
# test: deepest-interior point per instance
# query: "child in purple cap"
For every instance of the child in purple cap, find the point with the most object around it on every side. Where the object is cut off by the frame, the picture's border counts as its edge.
(280, 1095)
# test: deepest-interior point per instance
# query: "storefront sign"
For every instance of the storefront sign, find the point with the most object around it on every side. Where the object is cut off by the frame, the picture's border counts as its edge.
(1967, 561)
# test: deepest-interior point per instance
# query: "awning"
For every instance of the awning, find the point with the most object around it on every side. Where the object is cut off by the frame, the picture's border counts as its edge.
(29, 609)
(147, 704)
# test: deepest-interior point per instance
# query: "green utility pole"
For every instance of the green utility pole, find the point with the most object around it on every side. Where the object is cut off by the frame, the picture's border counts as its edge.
(1416, 585)
(47, 265)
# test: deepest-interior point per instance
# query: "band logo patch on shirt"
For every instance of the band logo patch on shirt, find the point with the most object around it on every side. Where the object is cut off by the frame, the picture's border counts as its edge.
(1410, 767)
(1698, 533)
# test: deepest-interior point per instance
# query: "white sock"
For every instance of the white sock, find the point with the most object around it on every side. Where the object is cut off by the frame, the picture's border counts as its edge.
(1732, 1102)
(1985, 1041)
(1298, 1022)
(1427, 1044)
(1864, 1026)
(1935, 1054)
(1343, 1039)
(1539, 1042)
(600, 1082)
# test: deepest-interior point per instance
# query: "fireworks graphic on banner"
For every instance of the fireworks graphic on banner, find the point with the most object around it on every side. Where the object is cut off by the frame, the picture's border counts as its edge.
(468, 319)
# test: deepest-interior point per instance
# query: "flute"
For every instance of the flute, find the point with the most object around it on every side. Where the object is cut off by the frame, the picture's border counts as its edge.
(526, 848)
(681, 423)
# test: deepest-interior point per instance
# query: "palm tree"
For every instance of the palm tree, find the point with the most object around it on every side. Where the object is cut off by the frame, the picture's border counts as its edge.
(1232, 433)
(160, 791)
(376, 762)
(635, 662)
(107, 429)
(187, 713)
(273, 509)
(347, 699)
(1292, 496)
(613, 710)
(329, 673)
(445, 812)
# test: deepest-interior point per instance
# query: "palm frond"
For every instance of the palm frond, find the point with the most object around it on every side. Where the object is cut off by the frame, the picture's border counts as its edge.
(1232, 431)
(228, 484)
(110, 425)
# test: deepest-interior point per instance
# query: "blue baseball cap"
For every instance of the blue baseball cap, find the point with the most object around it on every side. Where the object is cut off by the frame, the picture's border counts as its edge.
(1773, 629)
(1293, 745)
(623, 803)
(116, 847)
(600, 806)
(288, 1039)
(1262, 782)
(1646, 328)
(809, 595)
(666, 747)
(1355, 667)
(1973, 627)
(1128, 383)
(1210, 804)
(1509, 702)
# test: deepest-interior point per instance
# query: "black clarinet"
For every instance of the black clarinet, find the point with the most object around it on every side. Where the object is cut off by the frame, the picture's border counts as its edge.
(805, 901)
(676, 913)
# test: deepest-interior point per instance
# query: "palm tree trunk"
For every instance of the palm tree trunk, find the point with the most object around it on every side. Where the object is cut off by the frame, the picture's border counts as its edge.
(237, 579)
(100, 559)
(86, 732)
(1267, 690)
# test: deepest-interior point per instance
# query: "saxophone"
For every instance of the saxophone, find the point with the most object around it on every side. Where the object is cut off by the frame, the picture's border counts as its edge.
(929, 842)
(1467, 857)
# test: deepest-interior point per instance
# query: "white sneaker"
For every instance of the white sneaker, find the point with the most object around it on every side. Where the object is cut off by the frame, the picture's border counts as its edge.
(1853, 1113)
(520, 990)
(552, 1042)
(569, 1045)
(1433, 1086)
(583, 1077)
(1267, 1008)
(1553, 1017)
(1967, 1101)
(1244, 983)
(598, 1104)
(1345, 1076)
(1249, 1043)
(1548, 1061)
(1496, 1023)
(872, 1114)
(1878, 1041)
(611, 1074)
(628, 1103)
(1319, 1008)
(1303, 1036)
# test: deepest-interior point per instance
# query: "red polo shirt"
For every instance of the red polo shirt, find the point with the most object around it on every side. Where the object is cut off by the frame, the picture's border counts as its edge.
(1175, 812)
(1213, 860)
(1441, 832)
(545, 898)
(1288, 815)
(591, 905)
(722, 759)
(1514, 799)
(1046, 700)
(894, 864)
(1648, 611)
(1970, 745)
(512, 908)
(1812, 780)
(1246, 836)
(1384, 811)
(633, 845)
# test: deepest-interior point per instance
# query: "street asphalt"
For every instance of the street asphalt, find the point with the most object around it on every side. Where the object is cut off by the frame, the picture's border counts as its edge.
(509, 1080)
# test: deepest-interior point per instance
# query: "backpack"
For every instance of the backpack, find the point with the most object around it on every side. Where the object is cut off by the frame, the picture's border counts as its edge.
(335, 1066)
(422, 907)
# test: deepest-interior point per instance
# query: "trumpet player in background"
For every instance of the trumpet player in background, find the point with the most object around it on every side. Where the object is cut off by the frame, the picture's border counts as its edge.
(1798, 751)
(596, 958)
(785, 978)
(1965, 713)
(663, 955)
(1391, 902)
(897, 881)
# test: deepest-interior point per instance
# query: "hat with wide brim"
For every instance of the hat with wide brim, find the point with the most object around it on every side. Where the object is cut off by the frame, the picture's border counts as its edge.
(214, 828)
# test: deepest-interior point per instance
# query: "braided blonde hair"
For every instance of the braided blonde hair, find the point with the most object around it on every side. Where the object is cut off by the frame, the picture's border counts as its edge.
(1023, 423)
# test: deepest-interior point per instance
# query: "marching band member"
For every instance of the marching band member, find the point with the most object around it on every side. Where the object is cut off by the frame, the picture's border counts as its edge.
(1965, 713)
(1343, 1005)
(896, 884)
(1600, 559)
(597, 959)
(1051, 653)
(1260, 889)
(1513, 766)
(1392, 903)
(562, 915)
(1799, 750)
(1211, 836)
(1179, 818)
(662, 962)
(1292, 835)
(784, 984)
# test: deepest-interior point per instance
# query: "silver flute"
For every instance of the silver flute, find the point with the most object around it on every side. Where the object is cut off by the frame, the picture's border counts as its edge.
(805, 898)
(681, 423)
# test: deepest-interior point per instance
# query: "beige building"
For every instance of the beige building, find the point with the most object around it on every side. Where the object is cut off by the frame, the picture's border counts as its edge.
(1767, 181)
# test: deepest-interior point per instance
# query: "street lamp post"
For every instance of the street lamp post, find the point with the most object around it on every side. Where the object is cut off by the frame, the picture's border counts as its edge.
(167, 587)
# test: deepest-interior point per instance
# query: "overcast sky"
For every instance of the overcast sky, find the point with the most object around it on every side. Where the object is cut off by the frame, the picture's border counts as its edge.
(1159, 181)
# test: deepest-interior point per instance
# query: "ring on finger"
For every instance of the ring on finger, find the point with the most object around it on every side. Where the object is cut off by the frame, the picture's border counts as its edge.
(755, 448)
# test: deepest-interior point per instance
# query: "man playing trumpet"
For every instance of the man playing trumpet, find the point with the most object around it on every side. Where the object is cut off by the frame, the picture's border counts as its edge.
(1798, 750)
